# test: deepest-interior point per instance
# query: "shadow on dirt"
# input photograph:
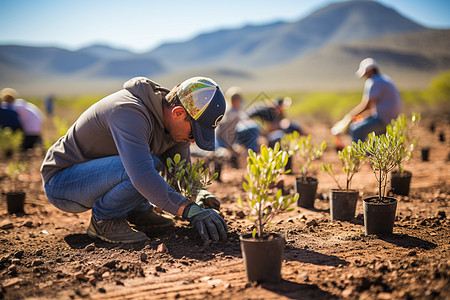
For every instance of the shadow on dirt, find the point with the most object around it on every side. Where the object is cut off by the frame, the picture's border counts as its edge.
(312, 257)
(406, 241)
(294, 290)
(80, 241)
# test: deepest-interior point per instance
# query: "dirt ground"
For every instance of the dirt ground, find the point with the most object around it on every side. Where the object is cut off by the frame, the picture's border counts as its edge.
(46, 253)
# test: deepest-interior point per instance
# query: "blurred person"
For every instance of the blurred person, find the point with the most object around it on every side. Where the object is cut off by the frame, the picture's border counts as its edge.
(29, 115)
(108, 159)
(9, 118)
(235, 127)
(273, 120)
(49, 103)
(381, 103)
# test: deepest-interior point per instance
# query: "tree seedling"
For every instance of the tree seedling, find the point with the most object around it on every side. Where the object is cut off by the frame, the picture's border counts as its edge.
(188, 179)
(262, 170)
(351, 161)
(14, 170)
(10, 141)
(303, 148)
(403, 128)
(382, 151)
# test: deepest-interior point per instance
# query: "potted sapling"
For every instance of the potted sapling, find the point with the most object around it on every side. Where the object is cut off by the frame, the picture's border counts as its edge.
(15, 199)
(262, 251)
(304, 150)
(382, 153)
(401, 178)
(190, 179)
(343, 200)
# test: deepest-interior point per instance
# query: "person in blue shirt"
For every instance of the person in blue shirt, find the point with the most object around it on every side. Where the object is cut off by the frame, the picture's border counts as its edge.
(9, 118)
(381, 103)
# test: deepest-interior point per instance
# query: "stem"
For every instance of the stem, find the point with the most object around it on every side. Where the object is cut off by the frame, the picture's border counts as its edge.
(379, 186)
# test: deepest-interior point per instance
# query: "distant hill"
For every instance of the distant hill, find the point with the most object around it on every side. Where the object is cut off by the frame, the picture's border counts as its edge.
(320, 51)
(258, 46)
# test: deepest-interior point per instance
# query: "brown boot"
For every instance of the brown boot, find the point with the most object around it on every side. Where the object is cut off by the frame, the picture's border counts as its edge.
(149, 220)
(115, 231)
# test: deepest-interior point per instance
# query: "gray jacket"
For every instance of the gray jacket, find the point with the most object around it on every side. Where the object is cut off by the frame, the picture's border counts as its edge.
(128, 123)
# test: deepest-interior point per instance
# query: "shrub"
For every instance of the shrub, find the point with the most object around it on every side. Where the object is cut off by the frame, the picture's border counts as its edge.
(14, 170)
(188, 179)
(403, 128)
(10, 141)
(262, 170)
(351, 161)
(303, 148)
(382, 152)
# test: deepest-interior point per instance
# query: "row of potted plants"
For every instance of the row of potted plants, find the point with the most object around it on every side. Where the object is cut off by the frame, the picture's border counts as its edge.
(262, 251)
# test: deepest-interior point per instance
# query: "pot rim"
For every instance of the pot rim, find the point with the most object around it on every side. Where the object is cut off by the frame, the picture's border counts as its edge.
(393, 200)
(248, 237)
(350, 191)
(308, 178)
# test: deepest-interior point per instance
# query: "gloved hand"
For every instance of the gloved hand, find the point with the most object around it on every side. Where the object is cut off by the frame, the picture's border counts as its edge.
(207, 200)
(208, 223)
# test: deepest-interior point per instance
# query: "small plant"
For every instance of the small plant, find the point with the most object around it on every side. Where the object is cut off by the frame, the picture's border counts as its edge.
(303, 148)
(382, 151)
(188, 179)
(262, 170)
(351, 160)
(402, 127)
(10, 141)
(14, 170)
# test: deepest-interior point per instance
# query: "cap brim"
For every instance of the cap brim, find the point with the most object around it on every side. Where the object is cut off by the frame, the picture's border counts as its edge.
(204, 138)
(360, 73)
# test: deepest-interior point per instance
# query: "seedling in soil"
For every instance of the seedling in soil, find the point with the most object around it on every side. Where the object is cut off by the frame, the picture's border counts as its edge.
(302, 147)
(382, 151)
(351, 161)
(262, 170)
(10, 141)
(404, 128)
(14, 170)
(188, 179)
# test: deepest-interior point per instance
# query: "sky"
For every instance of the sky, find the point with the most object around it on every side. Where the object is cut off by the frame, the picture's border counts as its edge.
(142, 25)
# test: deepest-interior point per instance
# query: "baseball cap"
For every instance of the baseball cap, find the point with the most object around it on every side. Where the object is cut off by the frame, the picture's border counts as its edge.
(8, 92)
(204, 101)
(366, 65)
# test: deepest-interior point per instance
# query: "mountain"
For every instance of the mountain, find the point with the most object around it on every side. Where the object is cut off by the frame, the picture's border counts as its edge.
(257, 46)
(320, 51)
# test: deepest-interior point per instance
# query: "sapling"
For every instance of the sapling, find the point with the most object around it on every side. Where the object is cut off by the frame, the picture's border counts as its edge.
(351, 161)
(262, 170)
(188, 179)
(382, 153)
(14, 170)
(305, 149)
(10, 141)
(404, 128)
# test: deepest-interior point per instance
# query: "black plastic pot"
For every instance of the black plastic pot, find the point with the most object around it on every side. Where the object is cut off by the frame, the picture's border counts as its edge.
(379, 216)
(441, 137)
(425, 153)
(263, 257)
(343, 204)
(15, 202)
(400, 182)
(307, 191)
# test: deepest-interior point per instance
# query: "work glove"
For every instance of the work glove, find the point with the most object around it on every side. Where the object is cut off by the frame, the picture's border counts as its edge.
(207, 200)
(208, 223)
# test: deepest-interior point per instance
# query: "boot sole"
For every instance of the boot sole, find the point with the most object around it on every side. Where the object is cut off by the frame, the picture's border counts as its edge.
(93, 234)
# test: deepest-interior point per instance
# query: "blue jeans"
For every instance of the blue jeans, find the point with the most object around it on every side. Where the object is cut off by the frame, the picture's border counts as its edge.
(101, 184)
(246, 134)
(360, 130)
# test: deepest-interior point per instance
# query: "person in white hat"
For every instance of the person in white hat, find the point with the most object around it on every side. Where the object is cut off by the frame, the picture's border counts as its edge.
(29, 114)
(381, 99)
(107, 161)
